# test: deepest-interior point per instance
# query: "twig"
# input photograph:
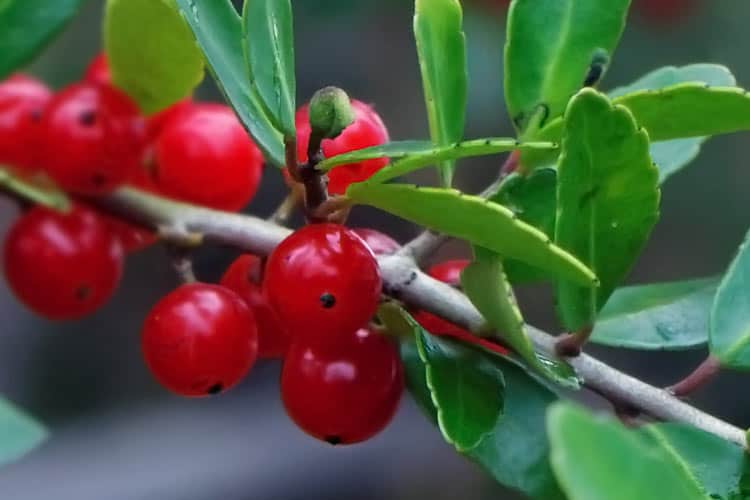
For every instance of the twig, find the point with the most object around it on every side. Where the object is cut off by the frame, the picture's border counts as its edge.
(403, 280)
(570, 344)
(703, 374)
(286, 209)
(182, 263)
(424, 245)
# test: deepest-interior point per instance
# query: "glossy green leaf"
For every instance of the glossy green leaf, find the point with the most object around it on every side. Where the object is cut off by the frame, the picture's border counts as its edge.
(719, 466)
(394, 150)
(669, 156)
(28, 26)
(607, 200)
(729, 338)
(663, 316)
(486, 285)
(218, 29)
(151, 52)
(549, 50)
(46, 196)
(533, 199)
(269, 45)
(623, 465)
(19, 433)
(474, 219)
(441, 47)
(515, 451)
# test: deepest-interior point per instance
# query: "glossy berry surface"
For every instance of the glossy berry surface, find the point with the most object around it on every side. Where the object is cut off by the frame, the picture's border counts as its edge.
(200, 339)
(22, 103)
(379, 243)
(322, 280)
(133, 238)
(343, 392)
(94, 139)
(449, 271)
(97, 72)
(367, 130)
(205, 156)
(155, 123)
(62, 266)
(243, 277)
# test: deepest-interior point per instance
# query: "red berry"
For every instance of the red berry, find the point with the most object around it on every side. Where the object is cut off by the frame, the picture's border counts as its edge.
(98, 72)
(205, 156)
(664, 11)
(437, 325)
(156, 122)
(93, 139)
(22, 103)
(343, 392)
(62, 266)
(200, 339)
(322, 280)
(379, 243)
(133, 238)
(367, 130)
(449, 271)
(242, 277)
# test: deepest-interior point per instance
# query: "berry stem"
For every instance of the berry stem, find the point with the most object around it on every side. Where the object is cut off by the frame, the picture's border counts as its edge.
(182, 263)
(285, 210)
(702, 375)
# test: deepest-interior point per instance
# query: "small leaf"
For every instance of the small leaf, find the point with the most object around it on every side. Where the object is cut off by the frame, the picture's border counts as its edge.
(626, 465)
(19, 433)
(474, 219)
(549, 51)
(218, 29)
(151, 52)
(714, 75)
(607, 200)
(533, 199)
(441, 47)
(28, 26)
(394, 150)
(485, 284)
(730, 314)
(670, 316)
(718, 465)
(269, 45)
(515, 451)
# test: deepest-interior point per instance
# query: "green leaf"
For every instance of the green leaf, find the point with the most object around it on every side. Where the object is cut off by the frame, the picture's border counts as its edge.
(626, 464)
(269, 45)
(549, 50)
(46, 196)
(19, 433)
(441, 46)
(669, 156)
(718, 465)
(607, 200)
(729, 334)
(28, 26)
(486, 285)
(474, 219)
(515, 451)
(151, 52)
(533, 199)
(218, 29)
(670, 316)
(413, 155)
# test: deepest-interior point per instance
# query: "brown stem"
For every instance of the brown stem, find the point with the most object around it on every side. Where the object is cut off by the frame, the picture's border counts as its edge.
(702, 375)
(182, 263)
(570, 345)
(510, 165)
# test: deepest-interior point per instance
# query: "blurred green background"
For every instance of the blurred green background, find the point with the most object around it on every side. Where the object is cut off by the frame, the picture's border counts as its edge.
(117, 435)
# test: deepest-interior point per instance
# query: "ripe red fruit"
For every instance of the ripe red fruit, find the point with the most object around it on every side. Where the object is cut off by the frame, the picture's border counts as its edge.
(200, 339)
(449, 271)
(379, 243)
(156, 122)
(367, 130)
(22, 103)
(133, 238)
(345, 391)
(94, 138)
(322, 280)
(62, 266)
(205, 156)
(97, 71)
(242, 277)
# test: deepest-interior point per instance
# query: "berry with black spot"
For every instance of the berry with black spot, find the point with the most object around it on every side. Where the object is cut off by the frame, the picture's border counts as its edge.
(93, 139)
(379, 243)
(322, 280)
(200, 339)
(203, 155)
(243, 277)
(344, 391)
(22, 104)
(62, 265)
(367, 130)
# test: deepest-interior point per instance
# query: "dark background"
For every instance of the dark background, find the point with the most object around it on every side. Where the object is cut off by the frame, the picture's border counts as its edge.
(117, 435)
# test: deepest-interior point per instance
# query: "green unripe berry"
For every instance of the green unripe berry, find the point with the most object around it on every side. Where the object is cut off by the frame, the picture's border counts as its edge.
(330, 112)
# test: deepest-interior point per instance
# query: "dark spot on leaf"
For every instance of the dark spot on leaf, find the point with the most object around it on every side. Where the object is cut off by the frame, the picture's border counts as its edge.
(588, 196)
(215, 389)
(327, 300)
(333, 440)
